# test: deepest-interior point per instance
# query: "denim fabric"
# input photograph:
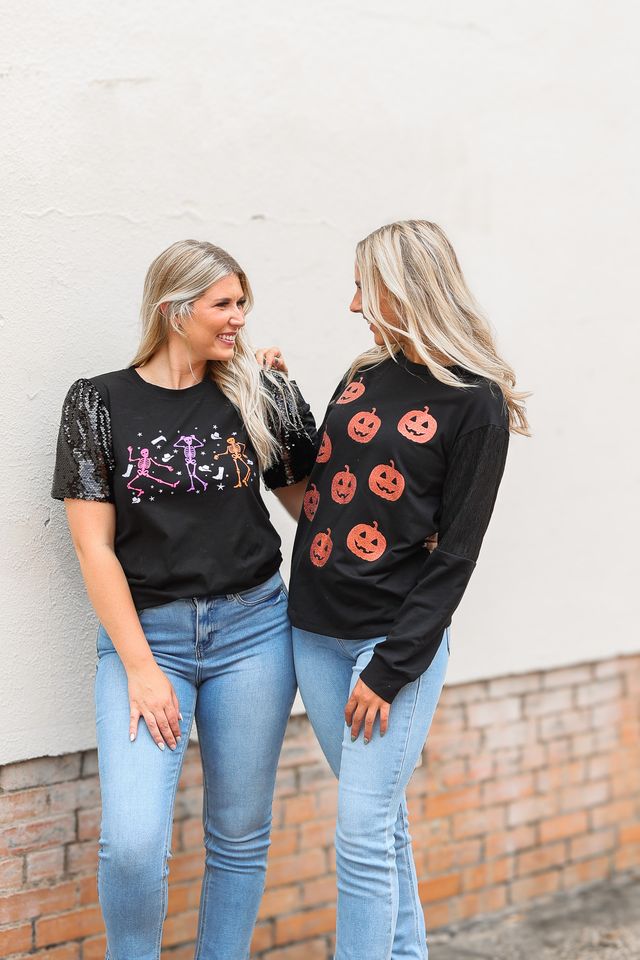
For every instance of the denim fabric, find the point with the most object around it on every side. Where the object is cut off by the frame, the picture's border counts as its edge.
(230, 661)
(379, 911)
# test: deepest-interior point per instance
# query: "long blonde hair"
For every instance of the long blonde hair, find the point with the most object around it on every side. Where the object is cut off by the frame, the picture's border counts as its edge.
(412, 264)
(175, 279)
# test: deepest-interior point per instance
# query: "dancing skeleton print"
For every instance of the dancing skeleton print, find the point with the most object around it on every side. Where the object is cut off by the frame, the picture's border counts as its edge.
(196, 459)
(143, 463)
(189, 445)
(236, 451)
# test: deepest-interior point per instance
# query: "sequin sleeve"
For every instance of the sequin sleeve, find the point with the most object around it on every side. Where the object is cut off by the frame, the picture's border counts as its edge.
(84, 454)
(295, 428)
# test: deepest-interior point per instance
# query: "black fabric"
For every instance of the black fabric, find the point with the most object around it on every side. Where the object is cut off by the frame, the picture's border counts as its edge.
(298, 443)
(84, 455)
(181, 471)
(469, 494)
(360, 567)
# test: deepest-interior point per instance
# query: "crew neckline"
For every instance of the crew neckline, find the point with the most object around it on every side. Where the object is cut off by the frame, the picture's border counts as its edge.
(168, 391)
(422, 367)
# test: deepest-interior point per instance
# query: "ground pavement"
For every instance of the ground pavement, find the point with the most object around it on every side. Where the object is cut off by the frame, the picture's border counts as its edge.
(602, 922)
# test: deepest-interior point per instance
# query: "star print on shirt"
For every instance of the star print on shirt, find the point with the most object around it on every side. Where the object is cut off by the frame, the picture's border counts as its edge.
(221, 486)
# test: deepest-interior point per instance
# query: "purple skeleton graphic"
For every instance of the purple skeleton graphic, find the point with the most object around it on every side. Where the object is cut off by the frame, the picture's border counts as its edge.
(189, 445)
(143, 463)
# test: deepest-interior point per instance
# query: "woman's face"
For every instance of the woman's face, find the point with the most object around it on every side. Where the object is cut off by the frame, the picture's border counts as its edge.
(385, 309)
(216, 318)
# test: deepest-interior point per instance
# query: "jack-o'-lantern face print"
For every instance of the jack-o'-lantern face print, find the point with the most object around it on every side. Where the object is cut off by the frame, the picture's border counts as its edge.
(311, 501)
(343, 486)
(352, 391)
(386, 482)
(321, 548)
(418, 425)
(364, 426)
(324, 452)
(366, 541)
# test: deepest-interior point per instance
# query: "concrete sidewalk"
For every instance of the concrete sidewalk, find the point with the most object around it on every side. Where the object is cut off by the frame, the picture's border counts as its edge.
(601, 922)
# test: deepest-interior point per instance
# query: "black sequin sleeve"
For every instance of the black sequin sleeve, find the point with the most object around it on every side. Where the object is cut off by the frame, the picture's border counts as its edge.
(84, 454)
(295, 428)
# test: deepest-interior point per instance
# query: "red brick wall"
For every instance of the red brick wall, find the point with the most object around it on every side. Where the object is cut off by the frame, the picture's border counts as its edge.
(530, 784)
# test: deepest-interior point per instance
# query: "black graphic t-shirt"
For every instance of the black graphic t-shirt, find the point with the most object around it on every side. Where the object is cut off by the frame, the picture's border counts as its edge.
(401, 456)
(181, 471)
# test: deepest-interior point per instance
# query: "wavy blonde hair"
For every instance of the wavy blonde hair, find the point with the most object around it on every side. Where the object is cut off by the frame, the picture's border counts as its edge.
(413, 267)
(176, 278)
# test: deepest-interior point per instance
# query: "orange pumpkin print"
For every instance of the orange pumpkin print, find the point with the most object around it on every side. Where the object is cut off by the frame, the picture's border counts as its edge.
(324, 453)
(352, 391)
(386, 482)
(343, 486)
(311, 501)
(366, 541)
(321, 548)
(364, 426)
(418, 425)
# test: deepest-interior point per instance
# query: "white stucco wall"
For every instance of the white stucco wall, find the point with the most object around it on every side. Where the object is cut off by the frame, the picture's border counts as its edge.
(285, 132)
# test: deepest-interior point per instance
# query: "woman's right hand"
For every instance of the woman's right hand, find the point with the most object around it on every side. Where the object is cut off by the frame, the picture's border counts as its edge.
(152, 697)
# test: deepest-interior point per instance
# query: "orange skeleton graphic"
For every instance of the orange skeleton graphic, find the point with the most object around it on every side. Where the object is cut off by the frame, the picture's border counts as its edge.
(236, 452)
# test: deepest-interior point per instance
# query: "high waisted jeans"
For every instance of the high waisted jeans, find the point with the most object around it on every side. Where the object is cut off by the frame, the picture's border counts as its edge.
(230, 662)
(379, 911)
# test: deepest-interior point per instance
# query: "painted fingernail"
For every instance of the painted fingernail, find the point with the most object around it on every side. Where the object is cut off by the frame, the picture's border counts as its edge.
(161, 745)
(132, 737)
(178, 739)
(366, 740)
(180, 717)
(353, 739)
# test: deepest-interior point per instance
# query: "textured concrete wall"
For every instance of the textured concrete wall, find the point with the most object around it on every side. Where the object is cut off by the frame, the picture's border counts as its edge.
(285, 132)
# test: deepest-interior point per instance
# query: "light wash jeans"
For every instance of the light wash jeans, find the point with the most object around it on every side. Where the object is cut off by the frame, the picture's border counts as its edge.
(379, 912)
(230, 662)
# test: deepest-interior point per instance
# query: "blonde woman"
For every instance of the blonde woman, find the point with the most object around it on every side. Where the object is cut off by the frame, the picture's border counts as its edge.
(413, 443)
(181, 564)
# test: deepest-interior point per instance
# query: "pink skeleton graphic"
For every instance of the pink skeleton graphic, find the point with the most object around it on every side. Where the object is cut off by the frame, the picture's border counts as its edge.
(143, 463)
(189, 445)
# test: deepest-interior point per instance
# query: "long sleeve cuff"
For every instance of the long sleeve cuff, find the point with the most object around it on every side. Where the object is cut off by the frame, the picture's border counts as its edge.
(414, 640)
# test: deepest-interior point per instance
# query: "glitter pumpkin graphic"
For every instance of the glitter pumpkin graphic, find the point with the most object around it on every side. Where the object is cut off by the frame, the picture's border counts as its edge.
(418, 425)
(321, 548)
(364, 426)
(386, 482)
(352, 391)
(366, 541)
(311, 501)
(343, 486)
(324, 453)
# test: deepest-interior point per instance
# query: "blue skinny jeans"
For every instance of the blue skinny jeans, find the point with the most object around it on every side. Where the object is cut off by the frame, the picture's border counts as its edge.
(379, 912)
(230, 661)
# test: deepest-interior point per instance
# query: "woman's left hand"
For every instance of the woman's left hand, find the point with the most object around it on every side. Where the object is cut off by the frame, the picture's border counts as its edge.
(364, 705)
(271, 358)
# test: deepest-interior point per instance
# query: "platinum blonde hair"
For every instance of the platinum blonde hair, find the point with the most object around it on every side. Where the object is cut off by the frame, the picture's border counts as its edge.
(412, 267)
(176, 278)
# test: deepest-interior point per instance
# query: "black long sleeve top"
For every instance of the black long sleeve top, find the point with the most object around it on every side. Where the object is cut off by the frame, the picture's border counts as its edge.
(402, 456)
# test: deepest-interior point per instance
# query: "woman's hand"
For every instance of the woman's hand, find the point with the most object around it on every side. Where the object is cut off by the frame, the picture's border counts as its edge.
(152, 697)
(271, 357)
(364, 704)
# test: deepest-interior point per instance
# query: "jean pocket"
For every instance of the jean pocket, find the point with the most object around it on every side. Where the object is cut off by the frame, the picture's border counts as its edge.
(265, 593)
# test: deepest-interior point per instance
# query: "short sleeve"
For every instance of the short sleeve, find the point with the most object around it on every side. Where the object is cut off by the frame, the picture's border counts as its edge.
(296, 431)
(84, 454)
